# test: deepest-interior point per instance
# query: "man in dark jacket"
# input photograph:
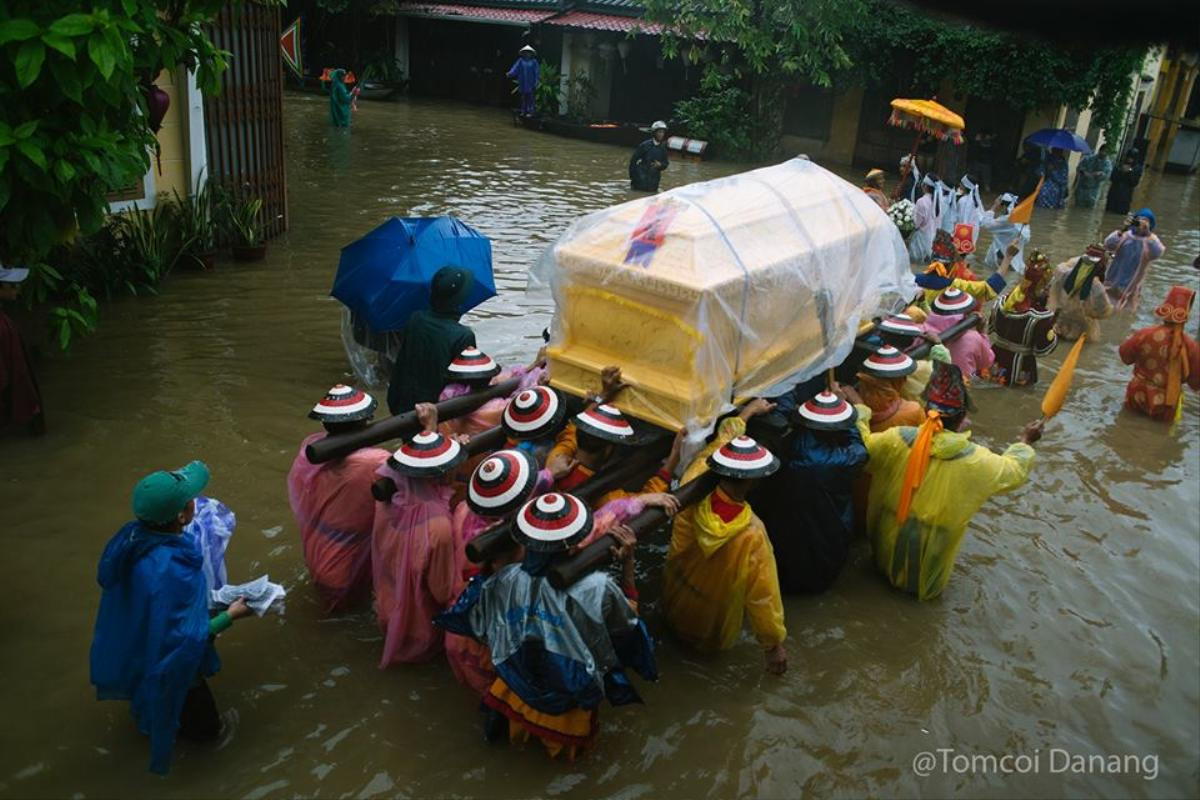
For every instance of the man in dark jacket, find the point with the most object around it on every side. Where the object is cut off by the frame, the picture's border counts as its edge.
(648, 161)
(429, 342)
(808, 506)
(20, 398)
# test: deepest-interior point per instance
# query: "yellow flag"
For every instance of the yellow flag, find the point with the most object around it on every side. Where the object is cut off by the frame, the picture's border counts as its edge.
(1057, 393)
(1023, 211)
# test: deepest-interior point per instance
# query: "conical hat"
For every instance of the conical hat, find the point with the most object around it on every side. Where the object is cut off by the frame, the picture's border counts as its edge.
(901, 325)
(743, 458)
(888, 362)
(953, 301)
(427, 455)
(553, 522)
(343, 404)
(502, 483)
(472, 365)
(827, 412)
(606, 422)
(533, 413)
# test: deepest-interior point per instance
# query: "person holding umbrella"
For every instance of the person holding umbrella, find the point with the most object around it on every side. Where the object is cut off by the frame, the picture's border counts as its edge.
(1054, 191)
(430, 340)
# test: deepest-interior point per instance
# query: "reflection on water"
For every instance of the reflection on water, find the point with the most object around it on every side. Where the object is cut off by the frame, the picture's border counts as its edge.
(1071, 621)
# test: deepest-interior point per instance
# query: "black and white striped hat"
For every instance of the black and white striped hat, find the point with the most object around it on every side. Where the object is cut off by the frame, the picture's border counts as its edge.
(502, 483)
(827, 412)
(427, 455)
(953, 301)
(533, 413)
(901, 325)
(472, 365)
(888, 362)
(553, 522)
(343, 404)
(606, 422)
(743, 458)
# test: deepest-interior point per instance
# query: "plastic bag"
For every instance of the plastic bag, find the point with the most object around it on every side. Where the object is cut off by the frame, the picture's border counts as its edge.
(716, 292)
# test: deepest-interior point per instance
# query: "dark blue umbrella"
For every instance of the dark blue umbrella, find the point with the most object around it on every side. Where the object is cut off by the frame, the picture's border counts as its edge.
(384, 276)
(1059, 137)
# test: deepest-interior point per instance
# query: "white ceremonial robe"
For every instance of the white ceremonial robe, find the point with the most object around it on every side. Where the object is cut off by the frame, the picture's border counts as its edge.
(920, 243)
(1003, 233)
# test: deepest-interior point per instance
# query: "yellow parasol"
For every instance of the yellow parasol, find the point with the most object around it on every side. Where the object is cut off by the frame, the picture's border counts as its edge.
(1052, 402)
(927, 118)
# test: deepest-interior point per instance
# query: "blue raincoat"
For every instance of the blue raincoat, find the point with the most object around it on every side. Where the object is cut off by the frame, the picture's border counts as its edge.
(558, 650)
(151, 640)
(525, 71)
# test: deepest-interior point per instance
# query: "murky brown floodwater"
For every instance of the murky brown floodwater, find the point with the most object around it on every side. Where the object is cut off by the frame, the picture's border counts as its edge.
(1071, 621)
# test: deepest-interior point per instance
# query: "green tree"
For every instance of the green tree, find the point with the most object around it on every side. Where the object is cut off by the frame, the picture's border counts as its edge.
(769, 44)
(73, 124)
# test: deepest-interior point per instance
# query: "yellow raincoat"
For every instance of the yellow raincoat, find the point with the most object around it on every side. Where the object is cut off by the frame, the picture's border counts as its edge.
(717, 571)
(918, 556)
(983, 291)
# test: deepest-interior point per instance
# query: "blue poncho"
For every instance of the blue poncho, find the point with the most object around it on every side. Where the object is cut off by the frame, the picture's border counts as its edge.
(151, 640)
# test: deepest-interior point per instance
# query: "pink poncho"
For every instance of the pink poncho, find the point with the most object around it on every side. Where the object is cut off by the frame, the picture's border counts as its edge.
(416, 567)
(971, 352)
(335, 513)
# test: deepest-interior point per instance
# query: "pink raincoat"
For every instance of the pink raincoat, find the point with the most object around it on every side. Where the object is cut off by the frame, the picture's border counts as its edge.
(335, 513)
(416, 567)
(971, 352)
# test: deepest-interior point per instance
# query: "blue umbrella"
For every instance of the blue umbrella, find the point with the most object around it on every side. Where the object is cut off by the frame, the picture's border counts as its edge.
(384, 276)
(1059, 137)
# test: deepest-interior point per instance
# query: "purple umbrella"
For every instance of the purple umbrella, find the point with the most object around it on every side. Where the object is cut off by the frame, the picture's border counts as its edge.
(1059, 137)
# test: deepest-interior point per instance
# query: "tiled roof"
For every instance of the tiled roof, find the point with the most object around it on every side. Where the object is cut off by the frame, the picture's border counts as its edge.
(626, 8)
(481, 13)
(603, 22)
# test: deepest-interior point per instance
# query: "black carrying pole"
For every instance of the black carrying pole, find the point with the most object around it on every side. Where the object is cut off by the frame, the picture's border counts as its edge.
(401, 425)
(611, 476)
(919, 351)
(485, 442)
(597, 556)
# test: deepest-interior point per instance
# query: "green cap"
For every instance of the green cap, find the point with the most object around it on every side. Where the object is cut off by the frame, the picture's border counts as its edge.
(161, 495)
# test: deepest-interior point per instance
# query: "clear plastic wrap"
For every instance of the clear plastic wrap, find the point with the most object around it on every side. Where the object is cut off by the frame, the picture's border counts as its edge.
(719, 291)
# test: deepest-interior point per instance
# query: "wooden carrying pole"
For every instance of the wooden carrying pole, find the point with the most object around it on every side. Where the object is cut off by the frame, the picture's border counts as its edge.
(401, 425)
(637, 466)
(485, 442)
(597, 556)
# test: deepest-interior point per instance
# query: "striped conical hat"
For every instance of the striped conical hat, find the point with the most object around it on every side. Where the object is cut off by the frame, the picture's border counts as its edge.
(901, 325)
(427, 455)
(953, 301)
(343, 404)
(743, 458)
(502, 483)
(553, 522)
(827, 412)
(888, 362)
(605, 422)
(472, 365)
(533, 413)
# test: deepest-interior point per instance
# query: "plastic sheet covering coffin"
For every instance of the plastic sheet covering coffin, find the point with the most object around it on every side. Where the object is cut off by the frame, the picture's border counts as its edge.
(719, 291)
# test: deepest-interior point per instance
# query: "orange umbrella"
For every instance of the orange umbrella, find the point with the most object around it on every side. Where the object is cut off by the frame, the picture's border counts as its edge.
(1052, 402)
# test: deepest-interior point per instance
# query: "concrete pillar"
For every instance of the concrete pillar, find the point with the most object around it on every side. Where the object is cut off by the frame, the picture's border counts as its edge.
(402, 50)
(1081, 129)
(1168, 80)
(197, 144)
(1175, 111)
(843, 126)
(568, 44)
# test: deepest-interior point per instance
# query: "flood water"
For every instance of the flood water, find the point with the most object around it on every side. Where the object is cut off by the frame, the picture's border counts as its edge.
(1071, 621)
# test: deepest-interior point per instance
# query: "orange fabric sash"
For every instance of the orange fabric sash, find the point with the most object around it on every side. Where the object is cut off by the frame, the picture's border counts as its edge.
(1178, 368)
(918, 461)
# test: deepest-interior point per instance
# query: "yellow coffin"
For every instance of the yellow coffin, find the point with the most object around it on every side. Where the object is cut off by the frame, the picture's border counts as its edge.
(719, 291)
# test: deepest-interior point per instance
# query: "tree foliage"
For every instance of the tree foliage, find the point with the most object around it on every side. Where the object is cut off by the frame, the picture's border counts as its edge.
(766, 44)
(73, 121)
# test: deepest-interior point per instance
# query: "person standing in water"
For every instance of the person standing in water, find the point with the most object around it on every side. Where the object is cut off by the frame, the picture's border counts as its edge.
(1133, 249)
(20, 398)
(430, 341)
(339, 99)
(1164, 360)
(648, 161)
(526, 71)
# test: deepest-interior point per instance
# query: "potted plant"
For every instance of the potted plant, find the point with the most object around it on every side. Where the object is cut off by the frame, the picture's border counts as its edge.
(246, 222)
(196, 219)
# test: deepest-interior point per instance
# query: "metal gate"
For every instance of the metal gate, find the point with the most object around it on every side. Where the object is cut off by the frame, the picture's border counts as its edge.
(244, 123)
